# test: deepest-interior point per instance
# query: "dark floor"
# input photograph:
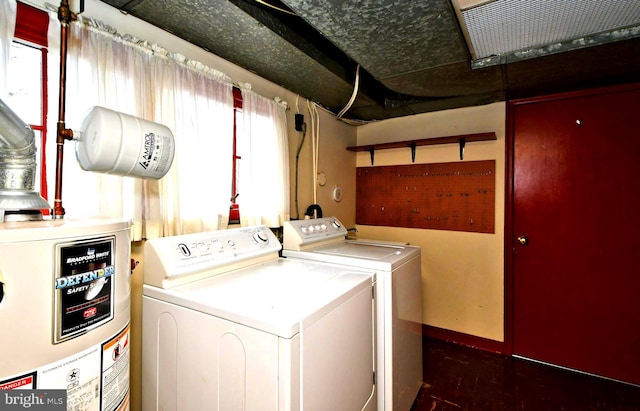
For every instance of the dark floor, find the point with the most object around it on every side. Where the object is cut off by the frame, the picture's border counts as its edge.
(462, 378)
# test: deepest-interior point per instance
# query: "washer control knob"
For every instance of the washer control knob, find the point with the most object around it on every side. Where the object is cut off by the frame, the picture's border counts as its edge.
(184, 250)
(261, 237)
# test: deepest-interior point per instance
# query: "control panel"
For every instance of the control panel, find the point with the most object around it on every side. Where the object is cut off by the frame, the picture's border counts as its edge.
(176, 260)
(298, 233)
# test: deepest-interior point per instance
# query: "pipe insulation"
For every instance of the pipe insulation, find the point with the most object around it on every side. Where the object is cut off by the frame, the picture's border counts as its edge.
(315, 146)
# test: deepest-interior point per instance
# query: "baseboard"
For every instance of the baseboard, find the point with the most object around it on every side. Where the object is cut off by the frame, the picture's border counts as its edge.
(463, 339)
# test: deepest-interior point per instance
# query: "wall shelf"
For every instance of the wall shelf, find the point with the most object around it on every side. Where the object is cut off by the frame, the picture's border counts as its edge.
(461, 140)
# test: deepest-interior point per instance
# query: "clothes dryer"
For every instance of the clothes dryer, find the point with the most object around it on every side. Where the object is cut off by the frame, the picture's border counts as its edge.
(398, 290)
(229, 325)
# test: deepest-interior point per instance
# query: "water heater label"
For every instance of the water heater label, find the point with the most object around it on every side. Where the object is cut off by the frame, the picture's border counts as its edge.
(84, 286)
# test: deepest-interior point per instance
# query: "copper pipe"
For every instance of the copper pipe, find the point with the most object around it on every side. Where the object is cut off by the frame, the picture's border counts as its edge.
(65, 16)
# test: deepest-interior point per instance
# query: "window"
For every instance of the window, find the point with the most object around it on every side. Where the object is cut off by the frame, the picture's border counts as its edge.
(28, 85)
(180, 204)
(234, 213)
(28, 91)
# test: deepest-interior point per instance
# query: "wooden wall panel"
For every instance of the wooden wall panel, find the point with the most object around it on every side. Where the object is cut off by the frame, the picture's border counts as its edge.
(458, 196)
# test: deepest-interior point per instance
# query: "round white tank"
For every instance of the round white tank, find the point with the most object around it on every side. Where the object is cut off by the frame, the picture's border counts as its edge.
(117, 143)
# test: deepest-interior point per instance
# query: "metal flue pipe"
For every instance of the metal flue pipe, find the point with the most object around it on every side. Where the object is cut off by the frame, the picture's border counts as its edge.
(17, 165)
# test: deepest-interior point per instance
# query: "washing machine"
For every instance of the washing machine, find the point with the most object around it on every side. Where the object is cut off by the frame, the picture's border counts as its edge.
(398, 291)
(65, 310)
(228, 325)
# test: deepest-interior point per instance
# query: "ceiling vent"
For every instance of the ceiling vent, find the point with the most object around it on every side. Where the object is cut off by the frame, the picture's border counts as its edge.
(521, 29)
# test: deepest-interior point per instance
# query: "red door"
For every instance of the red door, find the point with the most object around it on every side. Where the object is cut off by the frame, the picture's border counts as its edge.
(576, 231)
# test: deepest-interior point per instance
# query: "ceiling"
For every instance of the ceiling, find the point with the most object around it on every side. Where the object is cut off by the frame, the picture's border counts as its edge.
(404, 57)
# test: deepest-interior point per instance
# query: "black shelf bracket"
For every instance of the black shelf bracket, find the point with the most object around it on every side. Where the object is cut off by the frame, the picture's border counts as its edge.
(462, 141)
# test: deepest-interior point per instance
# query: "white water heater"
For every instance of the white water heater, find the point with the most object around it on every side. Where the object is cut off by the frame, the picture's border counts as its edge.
(65, 310)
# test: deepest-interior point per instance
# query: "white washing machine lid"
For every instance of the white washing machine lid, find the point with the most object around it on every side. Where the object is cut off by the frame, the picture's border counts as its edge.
(366, 255)
(276, 296)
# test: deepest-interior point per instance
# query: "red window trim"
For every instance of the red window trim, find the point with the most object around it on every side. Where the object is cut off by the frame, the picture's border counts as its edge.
(234, 211)
(32, 24)
(32, 27)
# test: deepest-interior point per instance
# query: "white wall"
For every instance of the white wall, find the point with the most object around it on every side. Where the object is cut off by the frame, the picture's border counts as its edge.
(462, 273)
(337, 164)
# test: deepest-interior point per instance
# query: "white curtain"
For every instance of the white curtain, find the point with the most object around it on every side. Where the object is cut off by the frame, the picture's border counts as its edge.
(264, 165)
(195, 102)
(7, 27)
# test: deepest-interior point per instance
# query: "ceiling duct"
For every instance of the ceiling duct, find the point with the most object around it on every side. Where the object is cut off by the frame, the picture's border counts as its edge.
(414, 57)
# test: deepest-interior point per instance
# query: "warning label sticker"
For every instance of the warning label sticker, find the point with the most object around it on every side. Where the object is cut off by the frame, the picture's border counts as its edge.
(26, 381)
(115, 372)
